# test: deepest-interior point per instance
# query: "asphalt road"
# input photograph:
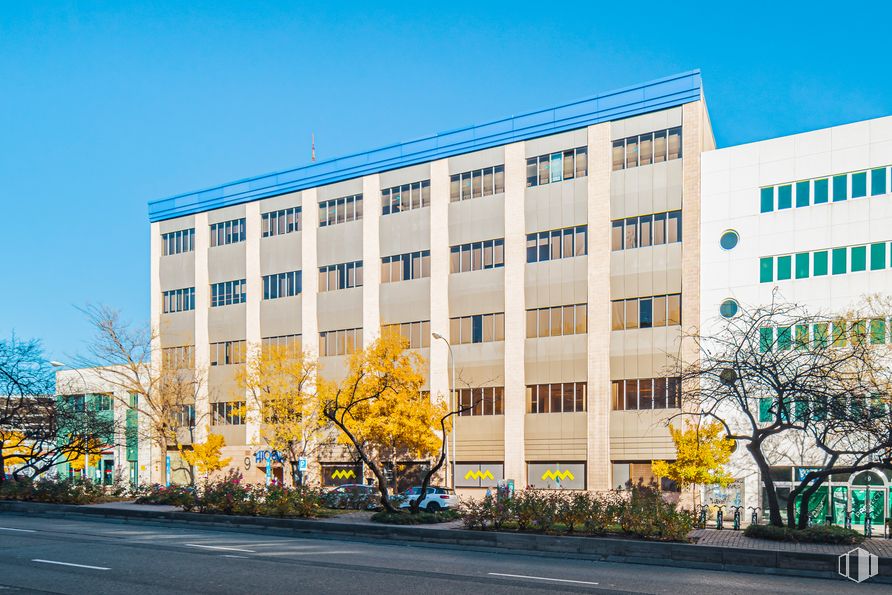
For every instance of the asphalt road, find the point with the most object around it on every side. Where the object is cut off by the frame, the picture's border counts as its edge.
(45, 555)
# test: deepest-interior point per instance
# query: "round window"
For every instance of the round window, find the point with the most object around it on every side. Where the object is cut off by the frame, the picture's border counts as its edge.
(729, 308)
(729, 240)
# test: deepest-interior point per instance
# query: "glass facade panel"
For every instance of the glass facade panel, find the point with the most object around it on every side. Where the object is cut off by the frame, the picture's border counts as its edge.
(859, 259)
(859, 184)
(784, 197)
(878, 181)
(784, 264)
(822, 191)
(802, 261)
(878, 256)
(767, 202)
(839, 261)
(803, 194)
(840, 188)
(819, 263)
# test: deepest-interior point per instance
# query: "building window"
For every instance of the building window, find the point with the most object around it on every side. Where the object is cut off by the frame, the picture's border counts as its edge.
(561, 397)
(729, 240)
(227, 353)
(340, 342)
(646, 393)
(178, 300)
(557, 321)
(340, 276)
(232, 413)
(476, 256)
(784, 197)
(227, 232)
(646, 312)
(766, 199)
(479, 328)
(803, 194)
(416, 334)
(488, 400)
(556, 167)
(645, 149)
(282, 285)
(557, 243)
(340, 210)
(290, 343)
(404, 267)
(406, 197)
(878, 181)
(840, 188)
(177, 242)
(280, 222)
(184, 416)
(477, 183)
(228, 293)
(645, 231)
(178, 358)
(729, 308)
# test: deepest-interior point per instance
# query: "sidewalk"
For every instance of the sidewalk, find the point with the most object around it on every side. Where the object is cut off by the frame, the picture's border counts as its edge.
(736, 539)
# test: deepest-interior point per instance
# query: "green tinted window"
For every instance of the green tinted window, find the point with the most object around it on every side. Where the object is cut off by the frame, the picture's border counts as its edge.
(766, 338)
(819, 332)
(859, 258)
(803, 194)
(802, 265)
(784, 267)
(768, 199)
(877, 256)
(765, 413)
(839, 333)
(840, 187)
(801, 336)
(859, 184)
(784, 337)
(822, 191)
(878, 181)
(839, 261)
(800, 410)
(819, 263)
(878, 331)
(784, 197)
(766, 270)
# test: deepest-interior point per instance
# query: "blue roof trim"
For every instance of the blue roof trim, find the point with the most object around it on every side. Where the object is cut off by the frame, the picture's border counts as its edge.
(622, 103)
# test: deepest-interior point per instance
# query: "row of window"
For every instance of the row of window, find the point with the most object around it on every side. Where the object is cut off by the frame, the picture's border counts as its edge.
(224, 353)
(478, 328)
(417, 334)
(228, 232)
(489, 254)
(406, 197)
(557, 321)
(404, 267)
(281, 222)
(340, 210)
(644, 149)
(178, 300)
(646, 393)
(340, 342)
(646, 312)
(340, 276)
(557, 243)
(802, 409)
(838, 333)
(227, 353)
(556, 167)
(838, 261)
(489, 400)
(645, 230)
(477, 183)
(823, 190)
(228, 293)
(231, 413)
(292, 343)
(184, 416)
(177, 358)
(281, 285)
(177, 242)
(561, 397)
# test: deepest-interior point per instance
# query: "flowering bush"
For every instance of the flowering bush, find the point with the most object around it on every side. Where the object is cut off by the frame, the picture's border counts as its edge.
(51, 489)
(172, 495)
(231, 496)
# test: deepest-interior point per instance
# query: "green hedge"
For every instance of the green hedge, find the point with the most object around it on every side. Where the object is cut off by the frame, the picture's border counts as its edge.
(817, 534)
(56, 491)
(419, 518)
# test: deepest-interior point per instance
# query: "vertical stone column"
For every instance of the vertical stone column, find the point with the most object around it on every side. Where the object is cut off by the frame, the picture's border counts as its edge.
(515, 313)
(692, 146)
(440, 371)
(202, 343)
(254, 293)
(309, 272)
(147, 454)
(598, 470)
(371, 259)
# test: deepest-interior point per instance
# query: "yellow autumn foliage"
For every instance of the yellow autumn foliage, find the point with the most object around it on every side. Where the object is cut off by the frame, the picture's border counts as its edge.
(205, 456)
(702, 451)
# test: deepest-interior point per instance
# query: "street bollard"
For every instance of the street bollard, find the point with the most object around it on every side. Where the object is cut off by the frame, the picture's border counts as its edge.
(737, 517)
(719, 517)
(754, 517)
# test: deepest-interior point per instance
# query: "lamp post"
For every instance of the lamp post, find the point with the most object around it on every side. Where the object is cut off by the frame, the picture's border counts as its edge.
(57, 364)
(452, 407)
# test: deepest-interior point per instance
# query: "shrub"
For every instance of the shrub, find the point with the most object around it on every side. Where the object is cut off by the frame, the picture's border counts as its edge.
(173, 495)
(419, 518)
(54, 490)
(817, 534)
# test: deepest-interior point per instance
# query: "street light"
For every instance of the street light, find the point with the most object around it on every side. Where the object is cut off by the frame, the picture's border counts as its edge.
(452, 403)
(57, 364)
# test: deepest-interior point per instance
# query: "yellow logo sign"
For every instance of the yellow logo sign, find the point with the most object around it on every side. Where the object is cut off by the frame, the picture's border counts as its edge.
(558, 475)
(343, 474)
(479, 475)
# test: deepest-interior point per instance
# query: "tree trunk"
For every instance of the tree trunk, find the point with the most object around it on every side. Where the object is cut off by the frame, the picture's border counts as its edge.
(774, 515)
(297, 476)
(807, 493)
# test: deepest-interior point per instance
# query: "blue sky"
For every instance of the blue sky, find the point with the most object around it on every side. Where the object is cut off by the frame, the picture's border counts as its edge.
(107, 105)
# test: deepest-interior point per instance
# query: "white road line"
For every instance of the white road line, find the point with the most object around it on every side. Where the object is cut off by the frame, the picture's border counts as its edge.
(234, 556)
(167, 536)
(543, 578)
(18, 530)
(219, 547)
(322, 553)
(70, 564)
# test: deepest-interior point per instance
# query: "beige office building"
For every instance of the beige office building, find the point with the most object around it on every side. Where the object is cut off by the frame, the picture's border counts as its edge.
(557, 251)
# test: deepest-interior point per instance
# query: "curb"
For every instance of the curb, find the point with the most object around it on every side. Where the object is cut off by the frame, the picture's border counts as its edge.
(627, 551)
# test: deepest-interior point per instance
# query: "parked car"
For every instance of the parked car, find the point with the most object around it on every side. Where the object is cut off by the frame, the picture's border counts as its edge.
(436, 498)
(353, 495)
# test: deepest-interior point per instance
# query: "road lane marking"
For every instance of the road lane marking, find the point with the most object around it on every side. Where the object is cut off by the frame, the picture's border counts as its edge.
(18, 530)
(543, 578)
(322, 553)
(234, 556)
(219, 547)
(70, 564)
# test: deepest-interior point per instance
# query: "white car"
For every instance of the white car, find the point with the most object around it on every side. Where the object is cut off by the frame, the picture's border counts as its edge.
(437, 498)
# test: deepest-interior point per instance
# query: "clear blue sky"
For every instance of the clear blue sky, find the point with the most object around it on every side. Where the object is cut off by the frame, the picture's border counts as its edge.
(106, 105)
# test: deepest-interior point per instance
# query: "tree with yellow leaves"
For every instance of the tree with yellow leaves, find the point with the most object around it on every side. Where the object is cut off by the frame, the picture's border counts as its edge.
(380, 411)
(702, 451)
(205, 456)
